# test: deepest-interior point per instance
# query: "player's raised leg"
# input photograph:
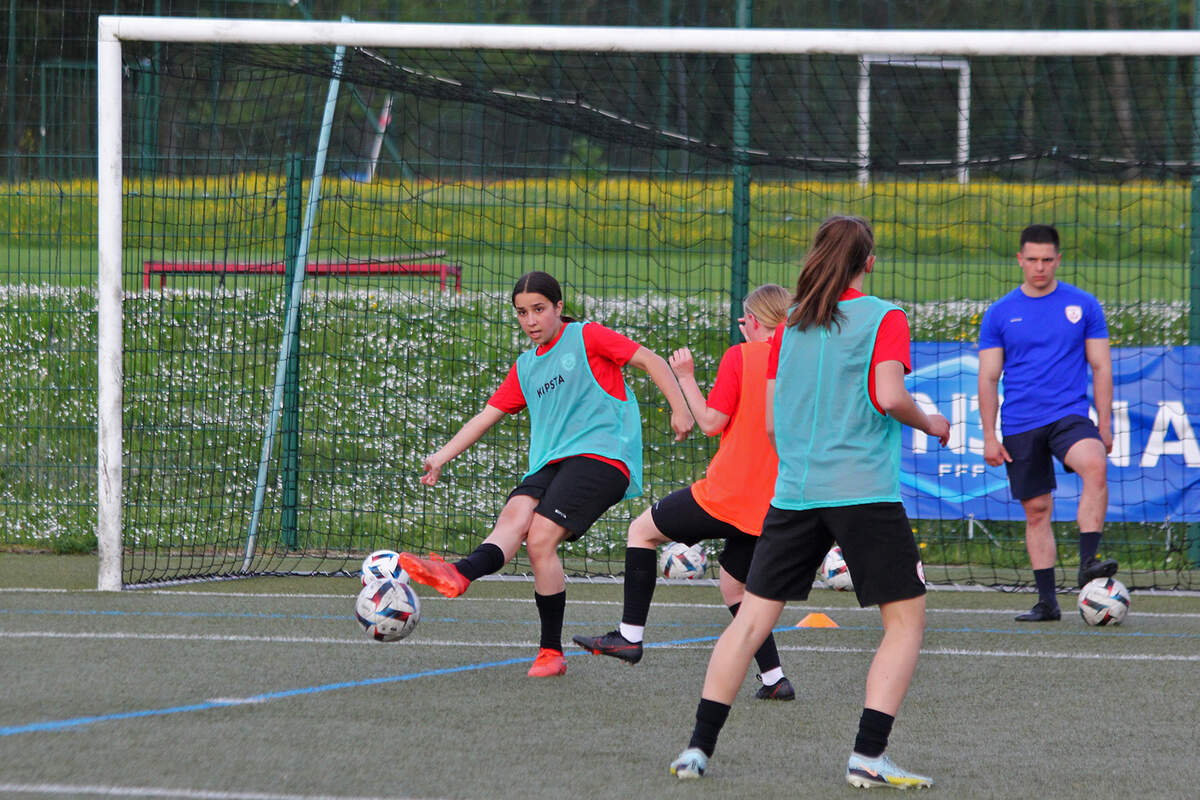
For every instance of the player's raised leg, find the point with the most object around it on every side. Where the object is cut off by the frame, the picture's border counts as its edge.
(490, 556)
(1088, 459)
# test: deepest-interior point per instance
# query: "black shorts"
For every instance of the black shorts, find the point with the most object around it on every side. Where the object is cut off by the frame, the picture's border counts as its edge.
(1031, 472)
(876, 541)
(574, 492)
(682, 519)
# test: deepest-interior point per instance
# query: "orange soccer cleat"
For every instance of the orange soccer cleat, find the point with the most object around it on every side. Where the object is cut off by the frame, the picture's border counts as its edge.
(435, 572)
(548, 664)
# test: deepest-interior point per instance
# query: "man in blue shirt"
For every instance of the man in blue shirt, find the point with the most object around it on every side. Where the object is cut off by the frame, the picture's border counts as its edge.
(1043, 336)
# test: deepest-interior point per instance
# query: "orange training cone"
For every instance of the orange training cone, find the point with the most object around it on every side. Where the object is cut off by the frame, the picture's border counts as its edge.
(816, 620)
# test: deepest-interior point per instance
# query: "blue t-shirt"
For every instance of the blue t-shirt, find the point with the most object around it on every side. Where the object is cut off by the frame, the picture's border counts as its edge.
(1045, 362)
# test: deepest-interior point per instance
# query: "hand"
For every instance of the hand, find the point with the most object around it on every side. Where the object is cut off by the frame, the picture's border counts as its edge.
(939, 426)
(433, 469)
(1107, 437)
(681, 423)
(681, 363)
(994, 453)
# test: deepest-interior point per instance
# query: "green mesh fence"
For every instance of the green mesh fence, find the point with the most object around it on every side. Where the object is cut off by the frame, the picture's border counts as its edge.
(618, 174)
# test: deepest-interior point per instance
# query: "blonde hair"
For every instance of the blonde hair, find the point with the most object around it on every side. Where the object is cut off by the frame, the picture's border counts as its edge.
(769, 304)
(839, 253)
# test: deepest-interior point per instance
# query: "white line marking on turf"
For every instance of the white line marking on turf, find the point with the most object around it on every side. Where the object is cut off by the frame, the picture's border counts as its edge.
(791, 608)
(217, 637)
(64, 789)
(950, 651)
(702, 643)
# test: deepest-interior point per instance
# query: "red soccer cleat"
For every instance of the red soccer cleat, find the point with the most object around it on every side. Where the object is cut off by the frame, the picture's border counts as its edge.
(548, 664)
(435, 572)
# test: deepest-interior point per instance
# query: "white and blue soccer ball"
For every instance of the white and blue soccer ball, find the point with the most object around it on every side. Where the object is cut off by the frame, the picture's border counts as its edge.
(383, 564)
(388, 609)
(834, 572)
(1103, 601)
(678, 560)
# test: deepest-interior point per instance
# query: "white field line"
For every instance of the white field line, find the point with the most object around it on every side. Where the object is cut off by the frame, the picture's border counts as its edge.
(77, 790)
(792, 607)
(704, 643)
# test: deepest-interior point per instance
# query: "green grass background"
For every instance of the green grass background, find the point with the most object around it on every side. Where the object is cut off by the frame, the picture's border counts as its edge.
(391, 366)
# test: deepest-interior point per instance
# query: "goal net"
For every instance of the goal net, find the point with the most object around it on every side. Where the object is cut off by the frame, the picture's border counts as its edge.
(309, 233)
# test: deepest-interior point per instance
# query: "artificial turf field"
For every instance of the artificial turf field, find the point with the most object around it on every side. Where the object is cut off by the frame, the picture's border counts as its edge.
(267, 689)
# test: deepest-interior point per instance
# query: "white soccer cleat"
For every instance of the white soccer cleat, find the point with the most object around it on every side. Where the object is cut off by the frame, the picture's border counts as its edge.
(691, 763)
(867, 773)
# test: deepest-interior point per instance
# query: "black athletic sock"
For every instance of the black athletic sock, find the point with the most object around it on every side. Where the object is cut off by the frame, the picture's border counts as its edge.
(641, 570)
(483, 560)
(1044, 580)
(551, 608)
(874, 727)
(767, 656)
(710, 718)
(1089, 545)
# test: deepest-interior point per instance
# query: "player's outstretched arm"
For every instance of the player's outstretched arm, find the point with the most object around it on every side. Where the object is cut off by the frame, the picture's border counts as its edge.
(897, 403)
(710, 420)
(470, 433)
(659, 371)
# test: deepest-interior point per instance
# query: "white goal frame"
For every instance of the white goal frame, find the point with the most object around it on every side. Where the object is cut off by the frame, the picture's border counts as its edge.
(962, 149)
(113, 30)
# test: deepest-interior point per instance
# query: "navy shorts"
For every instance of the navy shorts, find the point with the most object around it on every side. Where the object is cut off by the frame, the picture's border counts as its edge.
(876, 541)
(1031, 472)
(682, 519)
(574, 492)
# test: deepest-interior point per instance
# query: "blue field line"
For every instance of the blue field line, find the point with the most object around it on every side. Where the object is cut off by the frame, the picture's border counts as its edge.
(56, 725)
(75, 722)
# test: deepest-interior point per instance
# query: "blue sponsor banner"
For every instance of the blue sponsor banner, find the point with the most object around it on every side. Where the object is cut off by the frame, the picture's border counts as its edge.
(1153, 470)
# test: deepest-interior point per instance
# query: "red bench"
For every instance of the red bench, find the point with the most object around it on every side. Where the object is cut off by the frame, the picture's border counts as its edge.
(402, 265)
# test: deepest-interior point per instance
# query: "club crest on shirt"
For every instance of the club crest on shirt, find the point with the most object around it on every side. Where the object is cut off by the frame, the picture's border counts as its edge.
(1074, 314)
(568, 362)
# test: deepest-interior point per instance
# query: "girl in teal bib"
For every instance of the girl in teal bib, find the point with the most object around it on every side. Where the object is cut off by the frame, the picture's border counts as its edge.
(835, 402)
(585, 451)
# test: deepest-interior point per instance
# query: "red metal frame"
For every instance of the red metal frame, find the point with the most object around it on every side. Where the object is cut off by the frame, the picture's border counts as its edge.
(395, 267)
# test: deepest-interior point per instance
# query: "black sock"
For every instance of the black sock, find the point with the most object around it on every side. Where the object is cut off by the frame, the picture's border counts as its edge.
(551, 608)
(710, 718)
(484, 560)
(874, 727)
(1044, 580)
(641, 570)
(1089, 545)
(767, 656)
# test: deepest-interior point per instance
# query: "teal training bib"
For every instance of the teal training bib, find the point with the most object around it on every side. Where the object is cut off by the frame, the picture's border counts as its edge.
(571, 414)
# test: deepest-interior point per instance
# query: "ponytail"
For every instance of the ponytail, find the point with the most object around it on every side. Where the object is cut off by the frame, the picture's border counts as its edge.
(838, 255)
(769, 303)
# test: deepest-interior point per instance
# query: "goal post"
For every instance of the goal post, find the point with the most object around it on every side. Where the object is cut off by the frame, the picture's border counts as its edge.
(962, 141)
(512, 148)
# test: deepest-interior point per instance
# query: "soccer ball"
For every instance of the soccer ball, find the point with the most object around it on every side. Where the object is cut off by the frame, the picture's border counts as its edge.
(388, 609)
(383, 564)
(834, 571)
(1104, 601)
(680, 561)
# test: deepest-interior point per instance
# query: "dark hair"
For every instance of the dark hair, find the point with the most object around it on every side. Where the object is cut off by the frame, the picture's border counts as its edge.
(1039, 234)
(839, 253)
(542, 283)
